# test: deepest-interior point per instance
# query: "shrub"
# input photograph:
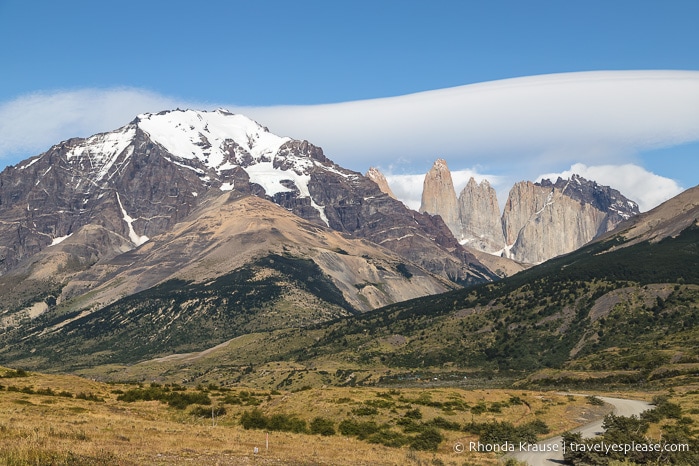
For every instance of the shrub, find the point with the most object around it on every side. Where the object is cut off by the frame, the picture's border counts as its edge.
(663, 409)
(389, 438)
(444, 424)
(322, 426)
(362, 430)
(537, 426)
(201, 411)
(413, 414)
(14, 374)
(178, 400)
(427, 440)
(380, 403)
(287, 423)
(480, 408)
(410, 425)
(89, 397)
(365, 411)
(254, 419)
(499, 432)
(182, 400)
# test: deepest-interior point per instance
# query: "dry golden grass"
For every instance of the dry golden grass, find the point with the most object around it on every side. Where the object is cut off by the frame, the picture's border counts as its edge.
(40, 429)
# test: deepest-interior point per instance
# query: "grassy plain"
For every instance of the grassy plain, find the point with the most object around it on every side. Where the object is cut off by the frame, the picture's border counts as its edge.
(60, 419)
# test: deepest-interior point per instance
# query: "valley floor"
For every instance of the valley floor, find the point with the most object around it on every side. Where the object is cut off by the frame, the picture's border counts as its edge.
(55, 419)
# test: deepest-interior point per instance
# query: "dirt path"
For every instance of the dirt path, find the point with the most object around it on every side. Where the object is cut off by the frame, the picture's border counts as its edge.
(549, 452)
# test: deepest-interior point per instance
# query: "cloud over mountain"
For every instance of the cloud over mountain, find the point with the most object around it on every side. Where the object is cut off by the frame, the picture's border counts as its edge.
(644, 187)
(514, 127)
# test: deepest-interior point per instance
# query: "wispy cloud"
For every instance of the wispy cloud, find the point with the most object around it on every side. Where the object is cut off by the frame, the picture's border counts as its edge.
(32, 123)
(516, 128)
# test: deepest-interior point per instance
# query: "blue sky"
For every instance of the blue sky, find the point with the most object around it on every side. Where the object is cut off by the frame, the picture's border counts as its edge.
(252, 54)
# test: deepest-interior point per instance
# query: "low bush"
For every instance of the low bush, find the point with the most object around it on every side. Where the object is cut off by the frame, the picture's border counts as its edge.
(413, 414)
(427, 440)
(201, 411)
(362, 430)
(178, 399)
(89, 397)
(388, 438)
(11, 374)
(443, 423)
(365, 411)
(322, 426)
(498, 432)
(256, 419)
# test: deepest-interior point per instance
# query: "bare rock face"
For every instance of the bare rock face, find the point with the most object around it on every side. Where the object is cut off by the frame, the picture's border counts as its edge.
(439, 197)
(479, 215)
(67, 187)
(540, 220)
(524, 200)
(377, 177)
(544, 220)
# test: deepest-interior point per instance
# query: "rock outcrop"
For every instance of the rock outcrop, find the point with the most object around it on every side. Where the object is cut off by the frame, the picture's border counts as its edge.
(539, 221)
(377, 177)
(438, 196)
(544, 220)
(479, 215)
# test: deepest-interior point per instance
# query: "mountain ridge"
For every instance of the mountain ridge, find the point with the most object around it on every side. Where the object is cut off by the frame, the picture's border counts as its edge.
(539, 221)
(128, 182)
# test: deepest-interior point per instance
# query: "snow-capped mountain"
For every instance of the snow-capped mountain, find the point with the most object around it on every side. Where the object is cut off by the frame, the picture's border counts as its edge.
(140, 180)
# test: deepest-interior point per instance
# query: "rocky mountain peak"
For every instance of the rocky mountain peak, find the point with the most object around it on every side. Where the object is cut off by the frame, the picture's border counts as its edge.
(540, 220)
(218, 139)
(377, 177)
(544, 220)
(479, 215)
(603, 198)
(439, 197)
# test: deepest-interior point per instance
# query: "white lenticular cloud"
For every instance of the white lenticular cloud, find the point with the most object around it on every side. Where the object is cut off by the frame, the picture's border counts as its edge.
(516, 127)
(636, 183)
(549, 120)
